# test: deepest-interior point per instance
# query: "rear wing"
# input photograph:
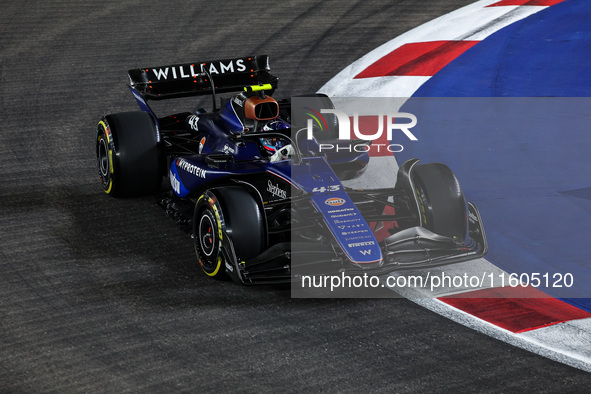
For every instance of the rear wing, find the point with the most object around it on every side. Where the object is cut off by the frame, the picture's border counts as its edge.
(193, 79)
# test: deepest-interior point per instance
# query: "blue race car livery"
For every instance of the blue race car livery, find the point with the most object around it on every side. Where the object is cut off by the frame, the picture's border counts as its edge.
(260, 200)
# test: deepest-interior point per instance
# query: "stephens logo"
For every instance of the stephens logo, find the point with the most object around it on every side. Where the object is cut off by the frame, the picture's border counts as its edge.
(276, 190)
(335, 201)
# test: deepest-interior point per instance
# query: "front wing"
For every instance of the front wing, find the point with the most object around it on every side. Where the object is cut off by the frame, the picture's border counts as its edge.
(410, 248)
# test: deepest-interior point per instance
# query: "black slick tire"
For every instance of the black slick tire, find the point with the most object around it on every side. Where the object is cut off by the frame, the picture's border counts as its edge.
(224, 216)
(128, 158)
(441, 202)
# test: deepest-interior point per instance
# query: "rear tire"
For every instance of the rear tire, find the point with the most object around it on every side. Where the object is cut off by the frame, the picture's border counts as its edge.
(231, 212)
(441, 202)
(128, 158)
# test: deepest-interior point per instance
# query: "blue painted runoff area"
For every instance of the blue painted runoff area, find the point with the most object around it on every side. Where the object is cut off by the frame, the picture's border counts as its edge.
(545, 55)
(512, 118)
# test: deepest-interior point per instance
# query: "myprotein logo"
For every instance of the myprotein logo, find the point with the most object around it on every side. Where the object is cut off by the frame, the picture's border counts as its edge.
(392, 124)
(191, 168)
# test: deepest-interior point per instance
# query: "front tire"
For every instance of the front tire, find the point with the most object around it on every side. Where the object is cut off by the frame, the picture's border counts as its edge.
(441, 202)
(128, 158)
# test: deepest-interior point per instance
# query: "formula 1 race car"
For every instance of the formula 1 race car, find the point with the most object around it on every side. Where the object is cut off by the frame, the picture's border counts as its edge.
(259, 199)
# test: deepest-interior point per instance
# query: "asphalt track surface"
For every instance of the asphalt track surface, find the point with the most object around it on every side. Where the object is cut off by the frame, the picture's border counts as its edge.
(104, 295)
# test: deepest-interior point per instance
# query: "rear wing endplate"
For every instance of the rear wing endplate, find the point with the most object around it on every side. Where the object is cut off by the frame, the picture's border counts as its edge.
(193, 79)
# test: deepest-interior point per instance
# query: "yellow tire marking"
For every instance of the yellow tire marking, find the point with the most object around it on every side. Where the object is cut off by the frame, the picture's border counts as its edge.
(111, 161)
(105, 128)
(110, 186)
(101, 123)
(211, 203)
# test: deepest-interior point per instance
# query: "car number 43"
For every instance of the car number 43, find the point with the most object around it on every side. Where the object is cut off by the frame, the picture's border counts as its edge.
(322, 189)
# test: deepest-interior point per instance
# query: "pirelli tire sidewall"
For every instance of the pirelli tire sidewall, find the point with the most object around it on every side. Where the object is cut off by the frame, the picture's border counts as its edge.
(228, 223)
(104, 155)
(208, 234)
(129, 158)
